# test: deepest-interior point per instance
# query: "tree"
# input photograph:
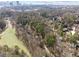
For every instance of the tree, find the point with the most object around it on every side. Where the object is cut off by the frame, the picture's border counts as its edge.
(2, 24)
(22, 19)
(44, 15)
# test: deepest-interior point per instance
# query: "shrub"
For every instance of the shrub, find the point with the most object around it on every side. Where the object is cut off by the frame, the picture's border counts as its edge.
(22, 54)
(16, 50)
(74, 38)
(39, 28)
(50, 40)
(6, 48)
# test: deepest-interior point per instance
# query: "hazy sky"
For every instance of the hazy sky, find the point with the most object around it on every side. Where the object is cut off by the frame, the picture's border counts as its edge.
(39, 0)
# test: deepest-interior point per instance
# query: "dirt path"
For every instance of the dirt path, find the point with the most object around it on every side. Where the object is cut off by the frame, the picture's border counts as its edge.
(9, 23)
(9, 38)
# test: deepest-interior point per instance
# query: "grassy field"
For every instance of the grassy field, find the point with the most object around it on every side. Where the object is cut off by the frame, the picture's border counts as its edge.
(9, 38)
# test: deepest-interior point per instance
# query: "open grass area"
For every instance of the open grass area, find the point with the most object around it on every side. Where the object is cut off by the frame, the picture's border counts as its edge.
(9, 38)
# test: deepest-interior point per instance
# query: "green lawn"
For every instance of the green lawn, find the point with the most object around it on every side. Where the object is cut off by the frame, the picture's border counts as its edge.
(9, 38)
